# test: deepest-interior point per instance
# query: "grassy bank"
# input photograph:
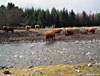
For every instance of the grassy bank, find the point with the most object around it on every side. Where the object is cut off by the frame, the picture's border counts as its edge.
(83, 69)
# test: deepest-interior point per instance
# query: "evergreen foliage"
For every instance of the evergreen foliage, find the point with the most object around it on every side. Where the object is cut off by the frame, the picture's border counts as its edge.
(12, 15)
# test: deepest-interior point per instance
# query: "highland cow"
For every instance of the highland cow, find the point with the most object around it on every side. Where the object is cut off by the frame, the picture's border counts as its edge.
(27, 27)
(57, 30)
(69, 31)
(6, 29)
(37, 26)
(49, 35)
(91, 29)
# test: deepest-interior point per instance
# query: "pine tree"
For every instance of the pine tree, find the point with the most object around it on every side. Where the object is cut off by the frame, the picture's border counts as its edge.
(72, 18)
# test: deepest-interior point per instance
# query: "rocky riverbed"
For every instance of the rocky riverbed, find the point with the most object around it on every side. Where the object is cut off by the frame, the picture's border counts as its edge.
(52, 53)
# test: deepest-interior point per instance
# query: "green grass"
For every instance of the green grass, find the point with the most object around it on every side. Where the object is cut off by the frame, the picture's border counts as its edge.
(55, 70)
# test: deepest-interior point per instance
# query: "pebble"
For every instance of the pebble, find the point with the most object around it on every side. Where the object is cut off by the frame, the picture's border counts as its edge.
(51, 61)
(20, 56)
(10, 66)
(30, 66)
(77, 70)
(76, 42)
(6, 67)
(39, 58)
(32, 45)
(38, 72)
(90, 64)
(87, 53)
(79, 74)
(33, 53)
(26, 75)
(90, 41)
(60, 52)
(45, 58)
(63, 49)
(3, 67)
(7, 72)
(90, 58)
(15, 56)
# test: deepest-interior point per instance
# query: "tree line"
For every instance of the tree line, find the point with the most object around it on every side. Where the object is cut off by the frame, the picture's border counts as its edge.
(12, 15)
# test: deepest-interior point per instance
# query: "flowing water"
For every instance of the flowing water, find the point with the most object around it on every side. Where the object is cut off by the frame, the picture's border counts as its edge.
(42, 53)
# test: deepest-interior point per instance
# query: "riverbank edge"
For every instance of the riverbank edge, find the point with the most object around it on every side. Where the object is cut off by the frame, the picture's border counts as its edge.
(82, 69)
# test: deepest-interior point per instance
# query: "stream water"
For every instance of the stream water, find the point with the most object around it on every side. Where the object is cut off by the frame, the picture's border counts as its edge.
(42, 53)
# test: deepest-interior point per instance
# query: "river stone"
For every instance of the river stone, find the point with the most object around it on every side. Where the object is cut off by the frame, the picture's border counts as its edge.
(7, 72)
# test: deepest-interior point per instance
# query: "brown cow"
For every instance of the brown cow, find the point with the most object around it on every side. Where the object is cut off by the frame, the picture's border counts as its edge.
(37, 26)
(49, 35)
(27, 27)
(91, 29)
(57, 30)
(6, 29)
(69, 31)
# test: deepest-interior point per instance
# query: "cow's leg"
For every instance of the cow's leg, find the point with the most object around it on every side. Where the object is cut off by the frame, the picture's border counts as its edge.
(12, 30)
(93, 31)
(6, 30)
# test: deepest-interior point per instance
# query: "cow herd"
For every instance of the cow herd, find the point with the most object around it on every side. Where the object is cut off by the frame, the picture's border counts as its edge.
(50, 35)
(27, 27)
